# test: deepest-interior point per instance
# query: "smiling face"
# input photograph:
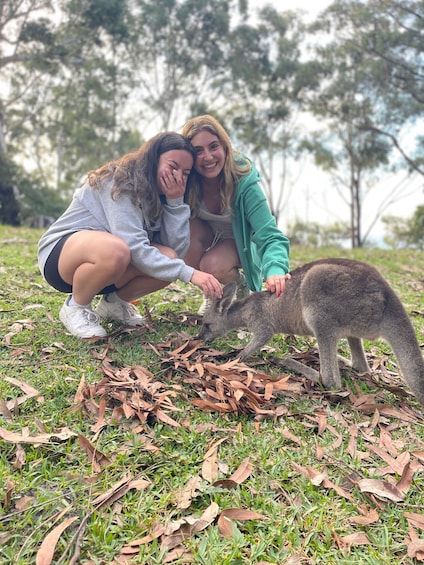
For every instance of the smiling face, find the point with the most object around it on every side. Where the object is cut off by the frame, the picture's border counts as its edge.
(210, 154)
(178, 162)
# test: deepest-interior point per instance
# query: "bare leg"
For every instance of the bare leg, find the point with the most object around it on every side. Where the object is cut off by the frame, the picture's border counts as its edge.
(134, 284)
(201, 237)
(222, 261)
(92, 260)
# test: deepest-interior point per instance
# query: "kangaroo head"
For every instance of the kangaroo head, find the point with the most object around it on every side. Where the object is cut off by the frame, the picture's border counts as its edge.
(215, 319)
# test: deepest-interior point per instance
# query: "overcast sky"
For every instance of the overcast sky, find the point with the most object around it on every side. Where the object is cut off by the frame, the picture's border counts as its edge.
(311, 7)
(313, 196)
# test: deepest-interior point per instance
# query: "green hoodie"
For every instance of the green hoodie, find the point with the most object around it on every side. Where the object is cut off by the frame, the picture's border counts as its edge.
(263, 249)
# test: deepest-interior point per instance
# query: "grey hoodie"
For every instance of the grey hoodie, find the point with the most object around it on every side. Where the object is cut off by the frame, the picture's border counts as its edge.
(93, 209)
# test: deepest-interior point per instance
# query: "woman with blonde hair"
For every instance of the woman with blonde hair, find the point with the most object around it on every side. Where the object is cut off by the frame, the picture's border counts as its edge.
(123, 236)
(234, 236)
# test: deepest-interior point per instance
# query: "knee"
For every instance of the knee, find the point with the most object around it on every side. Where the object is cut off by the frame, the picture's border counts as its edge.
(172, 254)
(211, 263)
(200, 232)
(118, 256)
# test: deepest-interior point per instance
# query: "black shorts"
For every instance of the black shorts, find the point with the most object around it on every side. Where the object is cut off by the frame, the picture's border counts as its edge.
(51, 271)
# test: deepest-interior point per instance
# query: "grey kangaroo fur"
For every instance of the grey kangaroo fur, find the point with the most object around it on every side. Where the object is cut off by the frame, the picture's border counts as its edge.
(328, 299)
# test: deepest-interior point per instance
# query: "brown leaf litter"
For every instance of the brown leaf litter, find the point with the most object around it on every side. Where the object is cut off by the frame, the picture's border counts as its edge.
(135, 396)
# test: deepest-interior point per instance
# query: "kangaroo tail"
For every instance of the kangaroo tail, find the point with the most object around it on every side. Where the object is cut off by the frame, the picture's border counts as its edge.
(399, 332)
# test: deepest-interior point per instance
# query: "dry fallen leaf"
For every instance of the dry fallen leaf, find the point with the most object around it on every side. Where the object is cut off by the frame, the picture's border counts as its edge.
(118, 490)
(45, 553)
(133, 391)
(381, 489)
(320, 478)
(156, 531)
(96, 457)
(176, 532)
(188, 492)
(416, 520)
(210, 462)
(243, 472)
(229, 514)
(10, 487)
(368, 516)
(20, 457)
(346, 542)
(415, 545)
(61, 435)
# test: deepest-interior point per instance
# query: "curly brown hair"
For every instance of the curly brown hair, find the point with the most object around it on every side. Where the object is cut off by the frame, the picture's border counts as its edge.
(136, 173)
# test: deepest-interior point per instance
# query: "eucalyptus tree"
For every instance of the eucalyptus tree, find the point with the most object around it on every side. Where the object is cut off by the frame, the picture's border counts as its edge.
(262, 88)
(390, 34)
(372, 84)
(405, 232)
(177, 52)
(85, 123)
(62, 83)
(25, 37)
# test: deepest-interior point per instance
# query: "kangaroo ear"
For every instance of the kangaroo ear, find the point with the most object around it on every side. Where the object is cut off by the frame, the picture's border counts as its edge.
(228, 294)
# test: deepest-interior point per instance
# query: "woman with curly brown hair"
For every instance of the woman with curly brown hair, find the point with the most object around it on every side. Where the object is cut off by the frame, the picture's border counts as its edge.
(123, 236)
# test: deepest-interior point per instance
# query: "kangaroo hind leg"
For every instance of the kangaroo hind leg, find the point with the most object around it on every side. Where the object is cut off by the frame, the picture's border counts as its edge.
(359, 361)
(329, 365)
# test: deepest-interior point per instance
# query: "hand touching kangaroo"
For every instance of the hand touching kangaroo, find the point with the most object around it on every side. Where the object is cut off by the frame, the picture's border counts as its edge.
(329, 299)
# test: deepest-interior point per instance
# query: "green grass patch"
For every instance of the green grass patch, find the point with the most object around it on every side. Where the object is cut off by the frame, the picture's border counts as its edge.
(304, 491)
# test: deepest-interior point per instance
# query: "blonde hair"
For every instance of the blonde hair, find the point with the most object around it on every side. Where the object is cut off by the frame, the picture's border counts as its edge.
(235, 165)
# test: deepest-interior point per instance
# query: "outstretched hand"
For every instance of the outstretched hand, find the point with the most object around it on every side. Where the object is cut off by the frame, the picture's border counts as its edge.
(208, 284)
(277, 283)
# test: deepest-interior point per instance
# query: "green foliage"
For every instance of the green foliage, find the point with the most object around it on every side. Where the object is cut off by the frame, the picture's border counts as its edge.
(370, 68)
(266, 86)
(417, 227)
(27, 197)
(71, 109)
(39, 32)
(305, 520)
(405, 232)
(10, 212)
(317, 235)
(38, 200)
(86, 79)
(176, 53)
(374, 65)
(110, 15)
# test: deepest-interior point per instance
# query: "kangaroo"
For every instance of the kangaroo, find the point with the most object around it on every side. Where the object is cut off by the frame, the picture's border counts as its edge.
(328, 299)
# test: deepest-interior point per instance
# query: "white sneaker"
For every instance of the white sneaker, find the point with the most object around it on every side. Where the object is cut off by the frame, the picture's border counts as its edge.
(82, 322)
(204, 306)
(121, 311)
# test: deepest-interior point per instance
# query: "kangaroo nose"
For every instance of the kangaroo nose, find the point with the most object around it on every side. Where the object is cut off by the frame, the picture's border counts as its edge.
(204, 335)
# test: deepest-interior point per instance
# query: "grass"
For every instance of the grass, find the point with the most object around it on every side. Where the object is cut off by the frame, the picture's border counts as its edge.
(299, 460)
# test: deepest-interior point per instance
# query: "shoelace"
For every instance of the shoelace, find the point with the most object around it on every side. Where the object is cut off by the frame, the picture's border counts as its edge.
(130, 310)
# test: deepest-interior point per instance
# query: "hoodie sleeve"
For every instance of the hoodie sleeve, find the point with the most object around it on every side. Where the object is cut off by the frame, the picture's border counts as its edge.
(271, 244)
(263, 248)
(120, 217)
(175, 227)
